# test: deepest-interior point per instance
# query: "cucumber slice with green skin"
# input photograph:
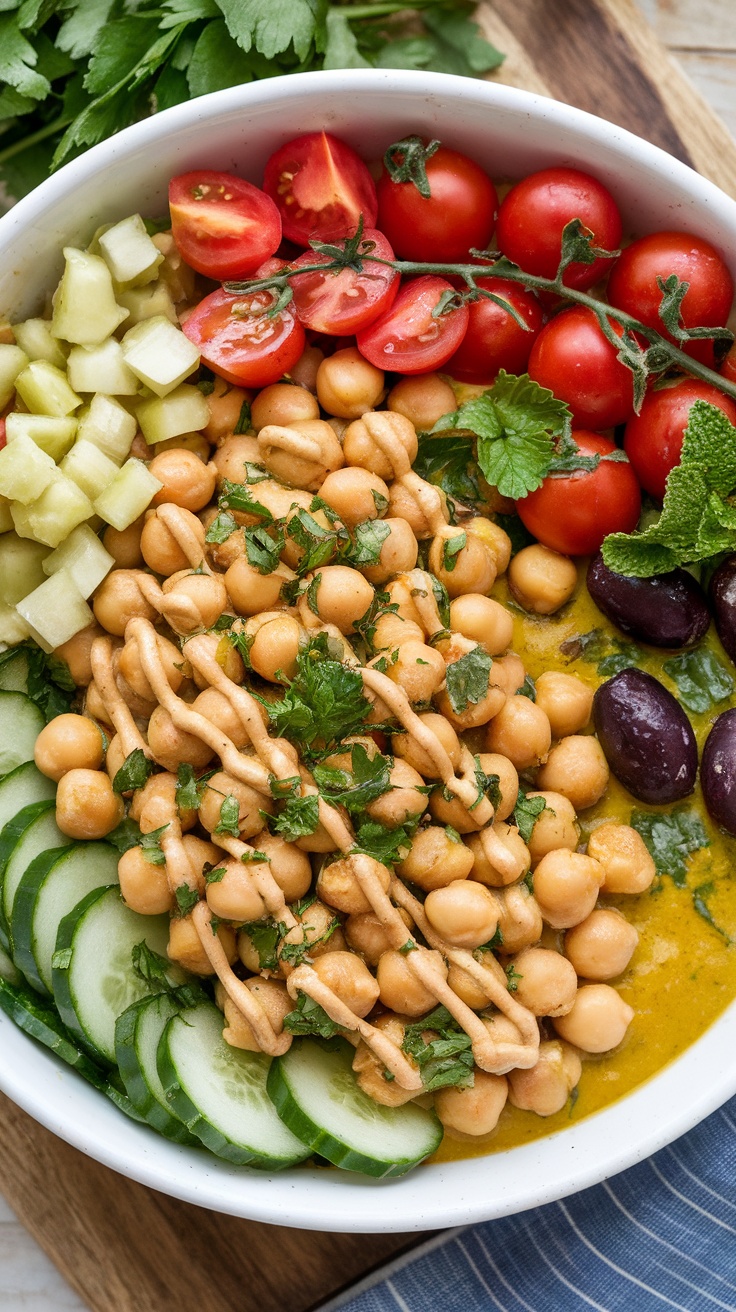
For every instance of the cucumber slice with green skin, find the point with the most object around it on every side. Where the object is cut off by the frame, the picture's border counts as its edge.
(40, 834)
(316, 1094)
(92, 974)
(52, 885)
(14, 671)
(22, 787)
(11, 835)
(8, 971)
(20, 724)
(40, 1020)
(137, 1036)
(220, 1092)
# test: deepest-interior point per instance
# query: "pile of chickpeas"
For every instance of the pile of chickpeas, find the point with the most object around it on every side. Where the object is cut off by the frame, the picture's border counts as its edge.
(334, 431)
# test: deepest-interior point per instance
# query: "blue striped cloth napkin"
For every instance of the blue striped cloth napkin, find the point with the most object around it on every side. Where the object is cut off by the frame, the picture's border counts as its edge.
(660, 1235)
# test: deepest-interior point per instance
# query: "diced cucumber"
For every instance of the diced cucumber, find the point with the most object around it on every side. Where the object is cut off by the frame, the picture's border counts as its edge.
(185, 410)
(89, 468)
(317, 1095)
(14, 671)
(159, 354)
(8, 971)
(54, 434)
(20, 724)
(39, 1019)
(12, 361)
(50, 887)
(45, 390)
(13, 627)
(34, 337)
(220, 1092)
(128, 495)
(83, 555)
(56, 611)
(108, 425)
(129, 252)
(85, 311)
(39, 835)
(25, 471)
(101, 369)
(21, 567)
(6, 518)
(10, 835)
(60, 507)
(93, 975)
(137, 1036)
(148, 302)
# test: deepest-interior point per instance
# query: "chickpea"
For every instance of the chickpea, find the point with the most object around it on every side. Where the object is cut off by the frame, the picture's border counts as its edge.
(378, 440)
(464, 913)
(250, 591)
(403, 800)
(226, 406)
(222, 787)
(75, 653)
(508, 782)
(235, 896)
(94, 707)
(229, 660)
(545, 1087)
(347, 385)
(193, 601)
(407, 747)
(435, 859)
(577, 768)
(350, 979)
(114, 756)
(302, 454)
(144, 887)
(292, 553)
(475, 713)
(187, 480)
(393, 630)
(275, 649)
(422, 400)
(520, 919)
(418, 669)
(467, 988)
(370, 1071)
(566, 886)
(469, 568)
(495, 538)
(542, 580)
(221, 555)
(403, 503)
(338, 883)
(319, 929)
(304, 372)
(451, 811)
(467, 1113)
(398, 554)
(555, 827)
(598, 1019)
(216, 708)
(129, 666)
(151, 804)
(355, 495)
(173, 747)
(601, 946)
(627, 864)
(161, 550)
(119, 599)
(195, 442)
(124, 544)
(566, 701)
(483, 620)
(289, 866)
(276, 1003)
(282, 404)
(484, 870)
(342, 596)
(366, 935)
(401, 990)
(520, 731)
(546, 983)
(508, 673)
(185, 946)
(230, 460)
(86, 806)
(68, 742)
(199, 854)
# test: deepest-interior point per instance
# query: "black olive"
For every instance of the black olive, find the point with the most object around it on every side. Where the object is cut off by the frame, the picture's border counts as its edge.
(668, 610)
(646, 736)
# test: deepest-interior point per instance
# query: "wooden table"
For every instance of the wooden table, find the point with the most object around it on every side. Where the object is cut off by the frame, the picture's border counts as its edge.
(125, 1248)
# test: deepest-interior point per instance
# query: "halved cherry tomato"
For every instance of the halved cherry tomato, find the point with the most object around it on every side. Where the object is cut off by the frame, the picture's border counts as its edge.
(494, 339)
(535, 211)
(321, 188)
(632, 285)
(459, 213)
(573, 513)
(342, 302)
(653, 438)
(240, 341)
(408, 338)
(572, 357)
(223, 226)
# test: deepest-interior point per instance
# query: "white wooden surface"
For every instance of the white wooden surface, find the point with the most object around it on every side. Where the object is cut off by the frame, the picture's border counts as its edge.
(701, 34)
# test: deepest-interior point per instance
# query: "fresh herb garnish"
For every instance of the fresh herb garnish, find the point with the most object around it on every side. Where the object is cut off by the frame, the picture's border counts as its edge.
(368, 779)
(444, 1061)
(671, 839)
(324, 702)
(189, 788)
(701, 679)
(229, 821)
(311, 1019)
(265, 936)
(237, 496)
(467, 679)
(125, 835)
(214, 876)
(221, 528)
(298, 819)
(488, 786)
(319, 544)
(451, 548)
(186, 899)
(48, 681)
(262, 550)
(385, 845)
(365, 545)
(133, 773)
(526, 813)
(610, 655)
(150, 845)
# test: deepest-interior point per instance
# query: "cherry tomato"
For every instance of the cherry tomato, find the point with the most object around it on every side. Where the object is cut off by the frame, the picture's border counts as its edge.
(573, 513)
(494, 340)
(408, 338)
(572, 357)
(240, 342)
(632, 285)
(459, 213)
(535, 211)
(321, 188)
(343, 301)
(653, 438)
(223, 226)
(728, 366)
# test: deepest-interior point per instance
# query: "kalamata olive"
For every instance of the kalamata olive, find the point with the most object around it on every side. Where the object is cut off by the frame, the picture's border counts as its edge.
(668, 610)
(646, 736)
(718, 771)
(723, 600)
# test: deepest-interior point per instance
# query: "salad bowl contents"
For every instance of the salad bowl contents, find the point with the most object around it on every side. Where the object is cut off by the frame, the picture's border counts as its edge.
(366, 745)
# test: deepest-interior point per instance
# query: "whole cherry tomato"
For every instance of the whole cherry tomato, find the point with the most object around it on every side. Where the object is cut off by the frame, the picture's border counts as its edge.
(321, 188)
(653, 438)
(494, 339)
(240, 341)
(459, 213)
(633, 285)
(343, 301)
(728, 365)
(535, 211)
(223, 226)
(573, 513)
(409, 338)
(576, 361)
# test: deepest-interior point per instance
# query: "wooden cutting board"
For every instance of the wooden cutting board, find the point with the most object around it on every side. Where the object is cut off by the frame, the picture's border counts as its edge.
(125, 1248)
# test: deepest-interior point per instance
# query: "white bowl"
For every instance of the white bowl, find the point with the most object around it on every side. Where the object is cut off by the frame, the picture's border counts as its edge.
(511, 133)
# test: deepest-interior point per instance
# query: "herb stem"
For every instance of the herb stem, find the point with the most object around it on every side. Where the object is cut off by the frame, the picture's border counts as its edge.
(379, 10)
(33, 139)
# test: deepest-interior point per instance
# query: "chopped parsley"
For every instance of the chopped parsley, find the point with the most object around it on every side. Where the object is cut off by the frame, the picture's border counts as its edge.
(310, 1019)
(445, 1060)
(671, 839)
(133, 773)
(468, 678)
(323, 704)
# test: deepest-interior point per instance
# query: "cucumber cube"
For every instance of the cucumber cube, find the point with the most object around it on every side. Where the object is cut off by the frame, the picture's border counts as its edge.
(21, 567)
(107, 424)
(185, 410)
(53, 434)
(34, 337)
(45, 390)
(12, 361)
(128, 495)
(13, 627)
(128, 251)
(85, 558)
(148, 302)
(55, 611)
(159, 354)
(85, 310)
(25, 470)
(58, 510)
(6, 519)
(89, 468)
(101, 369)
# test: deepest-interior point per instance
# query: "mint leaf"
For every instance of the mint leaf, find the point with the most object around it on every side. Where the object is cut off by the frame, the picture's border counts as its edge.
(386, 845)
(311, 1019)
(133, 773)
(324, 702)
(221, 528)
(449, 462)
(701, 679)
(526, 813)
(467, 679)
(368, 780)
(229, 822)
(186, 899)
(236, 496)
(451, 548)
(671, 839)
(265, 936)
(367, 540)
(263, 551)
(445, 1060)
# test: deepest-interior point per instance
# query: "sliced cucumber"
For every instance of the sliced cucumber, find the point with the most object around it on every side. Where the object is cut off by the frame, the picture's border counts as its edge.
(39, 1019)
(93, 975)
(20, 724)
(52, 885)
(22, 787)
(317, 1095)
(8, 971)
(220, 1092)
(137, 1036)
(123, 1103)
(38, 835)
(10, 836)
(14, 671)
